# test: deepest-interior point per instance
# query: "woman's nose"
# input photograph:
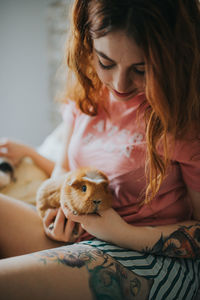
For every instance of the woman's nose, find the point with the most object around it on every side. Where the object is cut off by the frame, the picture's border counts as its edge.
(122, 82)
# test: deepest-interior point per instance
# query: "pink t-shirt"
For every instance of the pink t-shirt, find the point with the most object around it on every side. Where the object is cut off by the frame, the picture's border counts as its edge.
(116, 145)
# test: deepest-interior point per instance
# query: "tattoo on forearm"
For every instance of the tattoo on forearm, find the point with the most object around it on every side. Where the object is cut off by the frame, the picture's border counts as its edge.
(183, 243)
(108, 279)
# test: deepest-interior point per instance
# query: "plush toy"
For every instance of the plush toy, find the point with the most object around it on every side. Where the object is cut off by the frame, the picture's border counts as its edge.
(6, 172)
(82, 191)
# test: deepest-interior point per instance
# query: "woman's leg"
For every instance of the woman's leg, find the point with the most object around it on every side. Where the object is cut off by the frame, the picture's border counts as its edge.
(21, 229)
(71, 272)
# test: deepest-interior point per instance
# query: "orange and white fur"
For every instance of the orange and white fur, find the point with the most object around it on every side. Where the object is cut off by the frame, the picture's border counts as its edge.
(82, 191)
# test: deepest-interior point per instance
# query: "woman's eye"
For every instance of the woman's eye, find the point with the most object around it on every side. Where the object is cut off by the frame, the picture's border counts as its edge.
(107, 67)
(139, 72)
(84, 188)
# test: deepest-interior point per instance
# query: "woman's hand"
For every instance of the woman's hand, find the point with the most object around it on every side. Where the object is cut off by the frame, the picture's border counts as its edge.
(107, 226)
(13, 150)
(58, 228)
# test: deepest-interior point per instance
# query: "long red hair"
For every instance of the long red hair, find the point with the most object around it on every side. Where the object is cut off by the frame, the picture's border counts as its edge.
(169, 34)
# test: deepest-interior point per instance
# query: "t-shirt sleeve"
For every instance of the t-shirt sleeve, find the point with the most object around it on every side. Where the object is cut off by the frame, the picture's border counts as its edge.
(187, 154)
(69, 112)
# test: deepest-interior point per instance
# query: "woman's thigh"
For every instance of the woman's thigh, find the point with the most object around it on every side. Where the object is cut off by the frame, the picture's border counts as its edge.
(21, 229)
(71, 272)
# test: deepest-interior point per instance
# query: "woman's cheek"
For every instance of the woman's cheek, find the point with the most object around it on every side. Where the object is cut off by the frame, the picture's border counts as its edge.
(104, 76)
(140, 83)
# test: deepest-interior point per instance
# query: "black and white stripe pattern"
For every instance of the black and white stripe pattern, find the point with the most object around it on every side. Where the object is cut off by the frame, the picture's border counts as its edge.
(173, 279)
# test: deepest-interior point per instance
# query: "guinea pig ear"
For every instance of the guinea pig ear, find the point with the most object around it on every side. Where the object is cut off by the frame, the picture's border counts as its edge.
(73, 182)
(105, 185)
(94, 180)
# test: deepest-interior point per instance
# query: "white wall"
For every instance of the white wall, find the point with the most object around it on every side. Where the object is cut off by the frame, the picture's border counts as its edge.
(25, 107)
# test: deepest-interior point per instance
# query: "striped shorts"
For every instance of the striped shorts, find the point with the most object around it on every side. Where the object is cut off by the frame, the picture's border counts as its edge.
(173, 279)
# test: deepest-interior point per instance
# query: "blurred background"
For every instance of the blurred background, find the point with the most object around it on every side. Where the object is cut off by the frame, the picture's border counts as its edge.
(32, 46)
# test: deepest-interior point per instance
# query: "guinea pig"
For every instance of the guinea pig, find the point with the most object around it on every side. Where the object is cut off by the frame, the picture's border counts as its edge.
(83, 191)
(86, 191)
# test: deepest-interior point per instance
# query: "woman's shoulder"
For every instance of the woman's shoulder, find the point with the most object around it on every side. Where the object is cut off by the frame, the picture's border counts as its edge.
(69, 110)
(187, 148)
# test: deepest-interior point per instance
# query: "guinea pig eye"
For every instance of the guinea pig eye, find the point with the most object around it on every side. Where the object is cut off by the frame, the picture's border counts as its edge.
(84, 188)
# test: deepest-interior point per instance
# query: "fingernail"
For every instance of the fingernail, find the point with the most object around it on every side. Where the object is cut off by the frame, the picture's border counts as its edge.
(51, 226)
(3, 141)
(4, 150)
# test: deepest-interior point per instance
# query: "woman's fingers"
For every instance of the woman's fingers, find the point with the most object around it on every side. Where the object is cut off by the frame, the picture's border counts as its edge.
(80, 229)
(3, 147)
(13, 150)
(59, 223)
(49, 217)
(77, 219)
(3, 142)
(4, 151)
(49, 224)
(68, 232)
(57, 227)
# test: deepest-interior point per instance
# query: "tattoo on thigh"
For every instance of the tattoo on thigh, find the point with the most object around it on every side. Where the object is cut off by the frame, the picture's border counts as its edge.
(108, 279)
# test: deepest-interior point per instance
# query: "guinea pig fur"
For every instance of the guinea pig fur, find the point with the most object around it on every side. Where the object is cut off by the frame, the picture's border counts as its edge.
(86, 191)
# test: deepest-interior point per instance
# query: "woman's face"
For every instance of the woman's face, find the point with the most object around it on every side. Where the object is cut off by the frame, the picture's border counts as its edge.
(119, 64)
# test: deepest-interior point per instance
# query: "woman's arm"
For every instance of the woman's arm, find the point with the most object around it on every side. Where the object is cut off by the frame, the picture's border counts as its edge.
(41, 161)
(177, 240)
(62, 165)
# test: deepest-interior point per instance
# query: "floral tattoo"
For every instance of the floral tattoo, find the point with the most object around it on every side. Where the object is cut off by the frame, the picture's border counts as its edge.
(183, 243)
(108, 279)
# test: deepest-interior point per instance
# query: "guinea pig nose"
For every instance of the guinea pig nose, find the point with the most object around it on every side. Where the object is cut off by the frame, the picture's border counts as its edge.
(96, 202)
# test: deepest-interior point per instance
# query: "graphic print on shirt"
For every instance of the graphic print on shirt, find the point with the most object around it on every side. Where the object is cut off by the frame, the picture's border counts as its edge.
(124, 140)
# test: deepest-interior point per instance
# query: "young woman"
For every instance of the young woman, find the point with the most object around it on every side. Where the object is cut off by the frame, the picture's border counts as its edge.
(134, 70)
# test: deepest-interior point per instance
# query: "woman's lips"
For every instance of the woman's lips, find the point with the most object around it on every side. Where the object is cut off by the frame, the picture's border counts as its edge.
(123, 95)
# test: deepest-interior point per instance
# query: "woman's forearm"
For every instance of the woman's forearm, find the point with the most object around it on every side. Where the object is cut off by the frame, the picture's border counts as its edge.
(179, 240)
(42, 162)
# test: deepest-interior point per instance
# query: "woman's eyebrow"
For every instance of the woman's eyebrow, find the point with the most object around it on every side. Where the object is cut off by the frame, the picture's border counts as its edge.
(103, 55)
(111, 60)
